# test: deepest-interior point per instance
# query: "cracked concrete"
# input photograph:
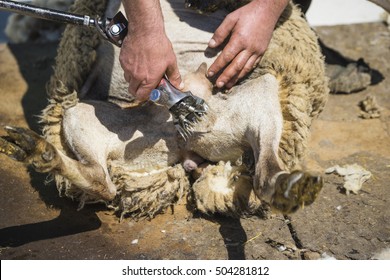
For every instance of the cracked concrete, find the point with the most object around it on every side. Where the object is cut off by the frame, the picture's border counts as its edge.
(35, 223)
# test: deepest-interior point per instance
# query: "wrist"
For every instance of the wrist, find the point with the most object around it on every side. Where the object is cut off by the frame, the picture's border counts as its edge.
(144, 16)
(270, 8)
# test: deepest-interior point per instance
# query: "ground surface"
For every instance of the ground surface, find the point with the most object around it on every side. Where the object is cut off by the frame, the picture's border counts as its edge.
(37, 224)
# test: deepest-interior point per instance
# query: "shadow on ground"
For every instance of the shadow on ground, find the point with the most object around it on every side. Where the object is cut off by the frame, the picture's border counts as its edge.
(34, 68)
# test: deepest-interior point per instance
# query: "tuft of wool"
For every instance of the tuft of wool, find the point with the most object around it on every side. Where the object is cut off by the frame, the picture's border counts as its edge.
(354, 176)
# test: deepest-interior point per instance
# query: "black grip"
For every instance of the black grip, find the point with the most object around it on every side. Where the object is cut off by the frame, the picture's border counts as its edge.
(45, 13)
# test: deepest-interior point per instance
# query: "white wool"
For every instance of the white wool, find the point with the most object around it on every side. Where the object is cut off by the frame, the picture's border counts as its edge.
(219, 183)
(354, 176)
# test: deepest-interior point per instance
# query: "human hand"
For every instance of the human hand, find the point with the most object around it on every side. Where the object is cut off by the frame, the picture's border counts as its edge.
(145, 57)
(250, 29)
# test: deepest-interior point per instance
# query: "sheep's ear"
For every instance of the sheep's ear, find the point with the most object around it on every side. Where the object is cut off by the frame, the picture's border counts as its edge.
(202, 68)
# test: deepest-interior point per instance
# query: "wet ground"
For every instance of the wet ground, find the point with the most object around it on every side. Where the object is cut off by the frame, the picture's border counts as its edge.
(35, 223)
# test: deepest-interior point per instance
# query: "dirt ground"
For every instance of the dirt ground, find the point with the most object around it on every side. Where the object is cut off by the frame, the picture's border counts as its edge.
(35, 223)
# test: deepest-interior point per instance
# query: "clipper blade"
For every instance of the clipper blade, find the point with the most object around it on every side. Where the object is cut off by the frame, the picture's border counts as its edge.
(187, 113)
(186, 108)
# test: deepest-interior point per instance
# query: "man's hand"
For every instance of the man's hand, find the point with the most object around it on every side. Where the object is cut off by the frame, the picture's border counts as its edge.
(145, 58)
(146, 53)
(250, 29)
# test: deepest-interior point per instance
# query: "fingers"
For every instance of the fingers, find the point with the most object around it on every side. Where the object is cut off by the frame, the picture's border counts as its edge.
(144, 67)
(238, 67)
(141, 89)
(248, 31)
(225, 58)
(236, 59)
(230, 74)
(222, 32)
(229, 52)
(249, 66)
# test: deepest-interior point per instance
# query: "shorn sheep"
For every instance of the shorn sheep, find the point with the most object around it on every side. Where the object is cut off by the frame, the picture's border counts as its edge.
(101, 146)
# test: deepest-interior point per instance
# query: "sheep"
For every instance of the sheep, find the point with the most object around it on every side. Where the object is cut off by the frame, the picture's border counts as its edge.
(102, 146)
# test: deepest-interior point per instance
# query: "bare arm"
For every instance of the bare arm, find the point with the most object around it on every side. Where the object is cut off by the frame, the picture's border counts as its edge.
(147, 53)
(250, 29)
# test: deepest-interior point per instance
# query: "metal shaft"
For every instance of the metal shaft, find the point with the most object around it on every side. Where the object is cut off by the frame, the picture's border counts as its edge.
(44, 13)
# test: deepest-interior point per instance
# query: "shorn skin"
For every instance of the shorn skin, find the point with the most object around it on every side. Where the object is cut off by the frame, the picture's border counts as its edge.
(241, 155)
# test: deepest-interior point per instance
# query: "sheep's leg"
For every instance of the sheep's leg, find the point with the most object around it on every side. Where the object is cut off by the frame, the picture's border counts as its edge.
(284, 191)
(267, 165)
(28, 147)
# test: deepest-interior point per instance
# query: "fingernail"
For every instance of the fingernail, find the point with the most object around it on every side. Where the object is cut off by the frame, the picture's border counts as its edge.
(220, 84)
(181, 86)
(210, 74)
(212, 43)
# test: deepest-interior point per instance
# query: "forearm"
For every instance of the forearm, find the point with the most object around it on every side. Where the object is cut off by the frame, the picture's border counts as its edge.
(146, 53)
(144, 16)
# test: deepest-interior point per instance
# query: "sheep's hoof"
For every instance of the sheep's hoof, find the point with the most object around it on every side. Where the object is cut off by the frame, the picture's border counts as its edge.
(12, 150)
(26, 146)
(295, 190)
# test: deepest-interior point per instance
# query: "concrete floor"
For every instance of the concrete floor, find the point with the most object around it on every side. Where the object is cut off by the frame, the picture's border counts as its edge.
(35, 223)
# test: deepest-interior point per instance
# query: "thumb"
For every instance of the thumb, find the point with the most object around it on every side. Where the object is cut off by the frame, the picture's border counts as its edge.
(174, 76)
